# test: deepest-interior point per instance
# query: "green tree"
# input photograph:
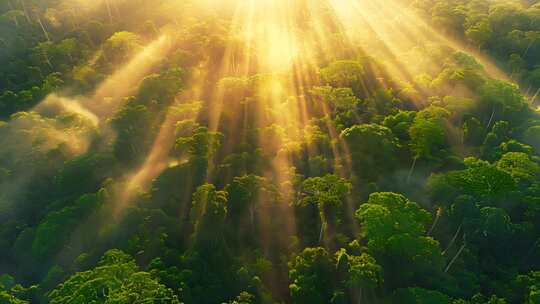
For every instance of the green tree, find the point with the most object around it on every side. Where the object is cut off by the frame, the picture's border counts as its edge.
(341, 103)
(520, 166)
(395, 229)
(84, 174)
(115, 279)
(501, 100)
(361, 274)
(251, 198)
(528, 288)
(532, 137)
(198, 144)
(419, 296)
(344, 74)
(326, 195)
(160, 88)
(6, 298)
(310, 274)
(400, 123)
(134, 126)
(55, 230)
(243, 298)
(207, 215)
(480, 34)
(480, 179)
(373, 150)
(428, 135)
(120, 46)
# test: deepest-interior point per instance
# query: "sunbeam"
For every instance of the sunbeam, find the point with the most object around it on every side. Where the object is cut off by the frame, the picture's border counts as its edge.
(269, 151)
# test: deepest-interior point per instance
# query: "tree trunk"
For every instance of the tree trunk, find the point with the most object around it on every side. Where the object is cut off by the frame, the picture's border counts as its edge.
(321, 233)
(48, 61)
(527, 49)
(43, 29)
(436, 221)
(412, 168)
(491, 119)
(455, 258)
(453, 240)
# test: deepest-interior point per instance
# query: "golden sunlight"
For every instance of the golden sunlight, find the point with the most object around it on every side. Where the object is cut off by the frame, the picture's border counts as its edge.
(269, 151)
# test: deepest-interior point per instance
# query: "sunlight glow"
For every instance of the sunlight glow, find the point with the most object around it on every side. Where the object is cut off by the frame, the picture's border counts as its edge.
(270, 61)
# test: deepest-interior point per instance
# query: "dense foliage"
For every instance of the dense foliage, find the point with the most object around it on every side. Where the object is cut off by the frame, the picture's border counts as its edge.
(507, 30)
(133, 169)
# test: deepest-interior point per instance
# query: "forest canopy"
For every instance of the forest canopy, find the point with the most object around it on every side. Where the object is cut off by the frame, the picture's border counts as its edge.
(270, 151)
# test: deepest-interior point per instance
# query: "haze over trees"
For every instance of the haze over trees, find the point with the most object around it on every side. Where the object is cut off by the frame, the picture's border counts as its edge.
(244, 152)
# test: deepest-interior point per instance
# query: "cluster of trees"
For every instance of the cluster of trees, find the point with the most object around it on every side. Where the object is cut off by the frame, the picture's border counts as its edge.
(507, 30)
(376, 191)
